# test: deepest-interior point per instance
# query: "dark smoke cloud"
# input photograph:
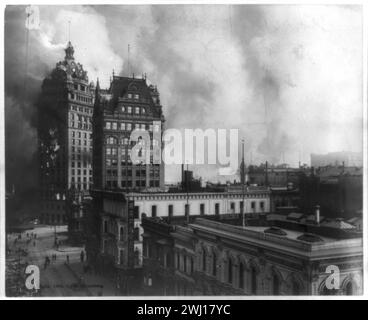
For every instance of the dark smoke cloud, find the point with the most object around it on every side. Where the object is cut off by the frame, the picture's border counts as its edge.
(289, 77)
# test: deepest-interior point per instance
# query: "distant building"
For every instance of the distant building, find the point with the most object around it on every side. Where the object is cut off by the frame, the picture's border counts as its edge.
(65, 109)
(337, 190)
(216, 258)
(275, 176)
(349, 159)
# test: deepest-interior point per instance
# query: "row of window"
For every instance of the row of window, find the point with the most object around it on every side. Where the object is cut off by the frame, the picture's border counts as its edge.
(82, 109)
(136, 110)
(79, 117)
(78, 134)
(79, 172)
(127, 126)
(79, 142)
(80, 149)
(80, 186)
(79, 155)
(135, 96)
(80, 125)
(202, 208)
(129, 173)
(80, 98)
(132, 184)
(79, 164)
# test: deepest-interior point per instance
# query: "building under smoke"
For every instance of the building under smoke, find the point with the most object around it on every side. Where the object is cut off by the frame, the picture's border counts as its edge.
(65, 109)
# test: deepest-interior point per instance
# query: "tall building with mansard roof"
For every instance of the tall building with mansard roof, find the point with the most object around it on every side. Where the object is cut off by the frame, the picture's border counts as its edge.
(130, 103)
(65, 109)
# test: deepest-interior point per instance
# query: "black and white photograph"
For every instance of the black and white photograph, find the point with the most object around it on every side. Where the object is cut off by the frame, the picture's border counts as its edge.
(184, 150)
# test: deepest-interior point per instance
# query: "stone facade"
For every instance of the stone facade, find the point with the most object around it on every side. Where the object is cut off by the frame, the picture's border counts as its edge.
(216, 258)
(65, 109)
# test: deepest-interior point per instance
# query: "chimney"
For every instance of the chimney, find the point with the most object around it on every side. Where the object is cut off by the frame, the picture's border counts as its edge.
(317, 214)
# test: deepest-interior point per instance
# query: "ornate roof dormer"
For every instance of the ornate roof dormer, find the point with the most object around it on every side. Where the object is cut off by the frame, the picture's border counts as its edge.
(69, 52)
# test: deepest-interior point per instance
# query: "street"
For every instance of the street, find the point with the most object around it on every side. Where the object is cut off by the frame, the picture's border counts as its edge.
(61, 277)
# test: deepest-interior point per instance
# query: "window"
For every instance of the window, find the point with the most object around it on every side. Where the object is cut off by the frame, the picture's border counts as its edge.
(253, 205)
(261, 205)
(201, 208)
(253, 274)
(348, 289)
(122, 126)
(114, 126)
(230, 271)
(108, 125)
(232, 207)
(129, 126)
(108, 151)
(121, 234)
(214, 264)
(217, 209)
(136, 234)
(295, 288)
(136, 212)
(136, 96)
(170, 209)
(136, 110)
(105, 226)
(154, 211)
(129, 109)
(204, 260)
(275, 285)
(241, 275)
(121, 255)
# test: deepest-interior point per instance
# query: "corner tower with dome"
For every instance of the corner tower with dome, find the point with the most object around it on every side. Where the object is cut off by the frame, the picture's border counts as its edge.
(65, 110)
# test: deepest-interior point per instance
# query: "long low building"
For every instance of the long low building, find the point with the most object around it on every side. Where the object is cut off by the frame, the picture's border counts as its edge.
(216, 258)
(118, 217)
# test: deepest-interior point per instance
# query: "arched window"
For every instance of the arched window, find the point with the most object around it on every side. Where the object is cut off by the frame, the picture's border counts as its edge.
(204, 260)
(295, 288)
(241, 275)
(185, 263)
(253, 274)
(214, 264)
(349, 289)
(121, 234)
(230, 271)
(275, 285)
(136, 257)
(121, 256)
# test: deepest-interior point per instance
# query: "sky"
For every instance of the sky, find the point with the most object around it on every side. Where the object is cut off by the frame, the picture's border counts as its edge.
(288, 77)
